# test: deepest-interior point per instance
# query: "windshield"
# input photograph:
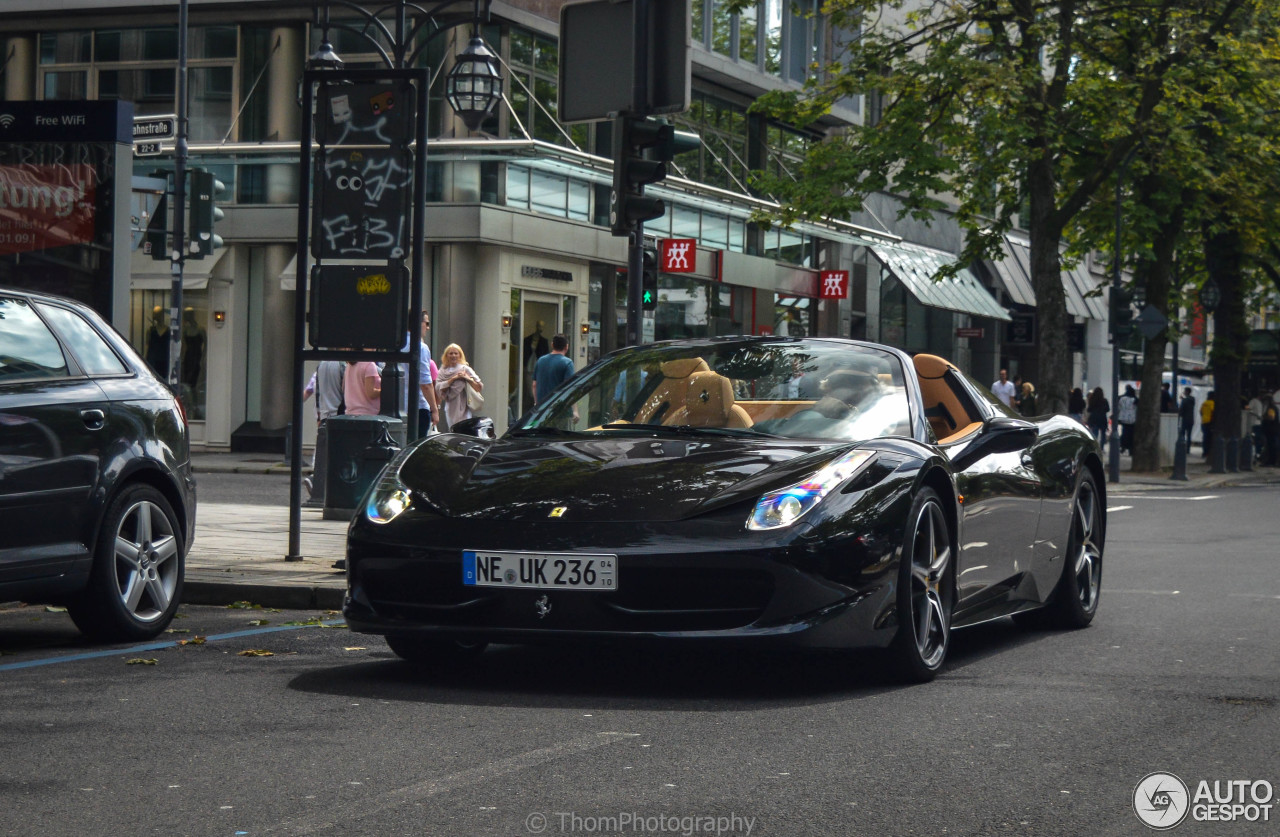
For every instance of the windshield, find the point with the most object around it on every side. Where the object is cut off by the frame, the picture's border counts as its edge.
(795, 389)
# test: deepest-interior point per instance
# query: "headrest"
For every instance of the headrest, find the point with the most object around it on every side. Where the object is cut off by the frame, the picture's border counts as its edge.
(708, 399)
(930, 366)
(684, 367)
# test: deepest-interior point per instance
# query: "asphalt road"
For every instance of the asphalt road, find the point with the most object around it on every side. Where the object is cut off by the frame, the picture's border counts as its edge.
(1025, 733)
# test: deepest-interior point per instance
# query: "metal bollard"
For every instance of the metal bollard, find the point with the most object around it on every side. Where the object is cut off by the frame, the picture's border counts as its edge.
(1246, 452)
(1217, 455)
(1179, 459)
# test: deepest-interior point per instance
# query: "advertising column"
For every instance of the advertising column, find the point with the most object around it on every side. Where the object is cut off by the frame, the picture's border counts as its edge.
(64, 225)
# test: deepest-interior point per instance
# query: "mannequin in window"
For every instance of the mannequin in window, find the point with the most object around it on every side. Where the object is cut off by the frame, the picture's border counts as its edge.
(157, 349)
(193, 340)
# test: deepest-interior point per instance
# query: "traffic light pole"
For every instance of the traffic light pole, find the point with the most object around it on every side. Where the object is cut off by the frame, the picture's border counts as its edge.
(178, 254)
(639, 98)
(635, 284)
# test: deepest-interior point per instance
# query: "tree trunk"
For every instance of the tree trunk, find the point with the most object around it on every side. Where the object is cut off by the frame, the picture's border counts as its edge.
(1054, 368)
(1230, 331)
(1158, 276)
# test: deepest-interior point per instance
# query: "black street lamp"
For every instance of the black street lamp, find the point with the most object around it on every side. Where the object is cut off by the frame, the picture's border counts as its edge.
(474, 85)
(1210, 295)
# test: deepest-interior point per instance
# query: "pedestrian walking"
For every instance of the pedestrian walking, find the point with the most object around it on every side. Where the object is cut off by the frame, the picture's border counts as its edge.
(1270, 425)
(362, 388)
(1206, 423)
(1096, 410)
(456, 378)
(1003, 388)
(1076, 405)
(552, 370)
(326, 385)
(1027, 403)
(1186, 417)
(1127, 415)
(1168, 404)
(428, 402)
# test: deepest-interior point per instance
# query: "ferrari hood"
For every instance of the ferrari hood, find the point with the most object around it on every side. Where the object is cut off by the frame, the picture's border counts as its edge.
(627, 478)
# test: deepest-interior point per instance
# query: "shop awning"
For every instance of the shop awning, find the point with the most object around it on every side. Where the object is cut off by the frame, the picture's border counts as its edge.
(1077, 283)
(146, 273)
(916, 266)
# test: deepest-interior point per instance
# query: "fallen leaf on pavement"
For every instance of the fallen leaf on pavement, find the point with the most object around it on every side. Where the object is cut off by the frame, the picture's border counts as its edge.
(195, 640)
(256, 652)
(355, 648)
(139, 661)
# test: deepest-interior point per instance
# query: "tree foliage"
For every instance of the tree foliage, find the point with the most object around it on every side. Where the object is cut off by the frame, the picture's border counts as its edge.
(998, 110)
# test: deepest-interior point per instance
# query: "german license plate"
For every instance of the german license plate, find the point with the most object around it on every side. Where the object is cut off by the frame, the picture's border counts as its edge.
(540, 570)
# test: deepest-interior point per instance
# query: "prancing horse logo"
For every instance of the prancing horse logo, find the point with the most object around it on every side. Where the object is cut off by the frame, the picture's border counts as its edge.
(558, 511)
(543, 605)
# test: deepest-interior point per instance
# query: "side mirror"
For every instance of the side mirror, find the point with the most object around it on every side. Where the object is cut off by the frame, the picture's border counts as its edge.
(999, 434)
(479, 426)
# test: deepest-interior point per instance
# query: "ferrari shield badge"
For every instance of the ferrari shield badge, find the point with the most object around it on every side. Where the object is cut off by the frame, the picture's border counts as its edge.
(558, 511)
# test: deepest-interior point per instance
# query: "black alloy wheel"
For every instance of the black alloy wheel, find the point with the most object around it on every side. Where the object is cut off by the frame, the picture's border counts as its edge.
(926, 596)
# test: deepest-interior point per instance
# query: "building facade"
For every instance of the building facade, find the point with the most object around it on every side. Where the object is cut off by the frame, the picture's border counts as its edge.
(517, 246)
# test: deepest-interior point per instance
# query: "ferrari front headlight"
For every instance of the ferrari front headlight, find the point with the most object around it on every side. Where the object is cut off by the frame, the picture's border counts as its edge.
(779, 509)
(389, 498)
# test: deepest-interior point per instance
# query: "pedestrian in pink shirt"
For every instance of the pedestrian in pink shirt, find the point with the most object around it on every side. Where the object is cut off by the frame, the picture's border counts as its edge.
(362, 389)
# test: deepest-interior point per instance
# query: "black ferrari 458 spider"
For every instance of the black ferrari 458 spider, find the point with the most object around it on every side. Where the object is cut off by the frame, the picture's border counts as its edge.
(819, 492)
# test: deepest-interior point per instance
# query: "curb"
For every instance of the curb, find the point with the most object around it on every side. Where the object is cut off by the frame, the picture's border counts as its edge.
(285, 597)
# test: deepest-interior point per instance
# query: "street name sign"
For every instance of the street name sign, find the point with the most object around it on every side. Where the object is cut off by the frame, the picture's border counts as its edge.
(155, 127)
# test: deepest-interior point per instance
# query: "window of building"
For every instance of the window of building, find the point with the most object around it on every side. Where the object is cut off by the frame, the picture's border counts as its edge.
(137, 65)
(721, 159)
(533, 90)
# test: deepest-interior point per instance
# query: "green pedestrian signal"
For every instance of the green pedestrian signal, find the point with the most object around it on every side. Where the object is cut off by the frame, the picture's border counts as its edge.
(649, 280)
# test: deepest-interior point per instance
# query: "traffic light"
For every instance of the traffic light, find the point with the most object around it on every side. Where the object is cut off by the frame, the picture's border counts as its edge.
(633, 170)
(649, 280)
(1121, 311)
(205, 189)
(157, 234)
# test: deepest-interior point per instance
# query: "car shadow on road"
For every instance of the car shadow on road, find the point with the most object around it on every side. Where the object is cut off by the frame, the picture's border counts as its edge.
(628, 677)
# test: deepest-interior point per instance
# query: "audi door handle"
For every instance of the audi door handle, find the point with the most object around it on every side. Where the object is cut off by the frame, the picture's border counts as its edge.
(93, 419)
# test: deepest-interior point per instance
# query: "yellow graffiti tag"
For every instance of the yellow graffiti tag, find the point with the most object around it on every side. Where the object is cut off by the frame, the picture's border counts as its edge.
(374, 283)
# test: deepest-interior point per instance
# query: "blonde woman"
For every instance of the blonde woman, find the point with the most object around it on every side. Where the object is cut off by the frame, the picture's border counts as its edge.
(455, 376)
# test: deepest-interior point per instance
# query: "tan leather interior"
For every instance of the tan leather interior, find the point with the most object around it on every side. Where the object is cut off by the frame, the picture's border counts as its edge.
(669, 395)
(709, 403)
(947, 415)
(764, 410)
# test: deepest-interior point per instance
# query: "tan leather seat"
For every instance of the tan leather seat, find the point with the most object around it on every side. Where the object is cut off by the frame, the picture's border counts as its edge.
(709, 403)
(947, 414)
(668, 396)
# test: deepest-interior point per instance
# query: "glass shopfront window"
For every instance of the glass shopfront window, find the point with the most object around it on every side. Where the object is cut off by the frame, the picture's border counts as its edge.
(149, 334)
(137, 65)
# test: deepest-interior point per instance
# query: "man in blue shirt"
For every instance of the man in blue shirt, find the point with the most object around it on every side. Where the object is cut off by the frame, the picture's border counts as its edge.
(552, 370)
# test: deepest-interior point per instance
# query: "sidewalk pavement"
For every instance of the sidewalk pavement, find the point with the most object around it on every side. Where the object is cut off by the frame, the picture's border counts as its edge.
(239, 550)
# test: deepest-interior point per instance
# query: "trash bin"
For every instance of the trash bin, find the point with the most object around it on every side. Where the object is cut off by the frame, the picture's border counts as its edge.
(359, 447)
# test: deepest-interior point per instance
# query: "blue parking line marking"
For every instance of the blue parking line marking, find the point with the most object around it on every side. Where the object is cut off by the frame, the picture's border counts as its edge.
(156, 646)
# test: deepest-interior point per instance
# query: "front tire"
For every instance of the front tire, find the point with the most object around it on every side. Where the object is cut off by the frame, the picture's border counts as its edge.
(925, 592)
(135, 584)
(433, 651)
